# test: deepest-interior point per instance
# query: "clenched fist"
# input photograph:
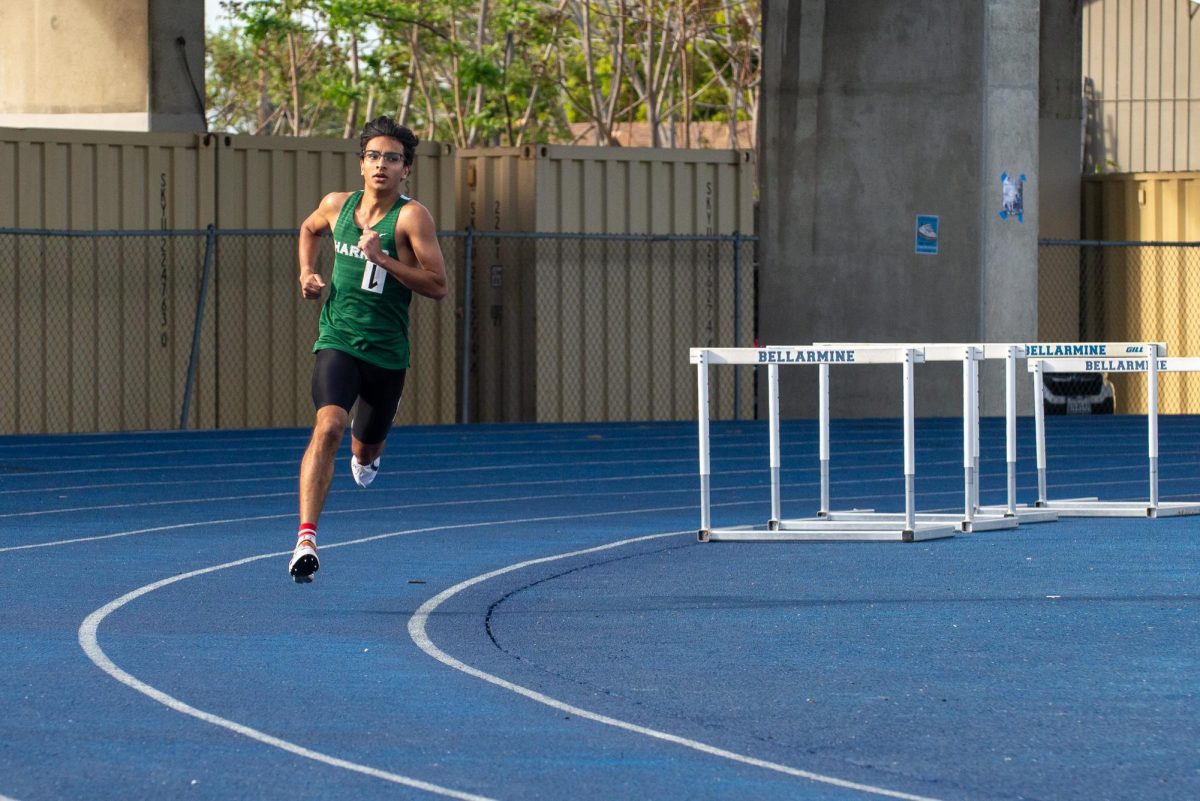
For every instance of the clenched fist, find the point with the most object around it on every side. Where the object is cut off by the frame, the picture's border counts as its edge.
(311, 285)
(368, 243)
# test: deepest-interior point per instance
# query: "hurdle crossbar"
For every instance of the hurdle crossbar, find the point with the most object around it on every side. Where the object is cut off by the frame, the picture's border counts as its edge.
(822, 527)
(1149, 359)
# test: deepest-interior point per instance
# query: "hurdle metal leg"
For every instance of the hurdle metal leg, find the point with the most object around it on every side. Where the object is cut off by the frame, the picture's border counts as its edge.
(968, 433)
(976, 396)
(705, 465)
(910, 460)
(1152, 425)
(1010, 427)
(773, 403)
(1039, 426)
(823, 435)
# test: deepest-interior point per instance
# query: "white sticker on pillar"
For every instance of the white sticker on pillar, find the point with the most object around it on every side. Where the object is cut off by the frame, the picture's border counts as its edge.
(373, 278)
(1014, 196)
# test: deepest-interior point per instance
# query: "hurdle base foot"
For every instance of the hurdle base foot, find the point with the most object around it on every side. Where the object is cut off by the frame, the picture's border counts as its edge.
(1095, 508)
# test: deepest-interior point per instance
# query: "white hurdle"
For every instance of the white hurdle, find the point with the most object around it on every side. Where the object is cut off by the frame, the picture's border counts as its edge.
(822, 527)
(973, 518)
(1011, 352)
(1148, 358)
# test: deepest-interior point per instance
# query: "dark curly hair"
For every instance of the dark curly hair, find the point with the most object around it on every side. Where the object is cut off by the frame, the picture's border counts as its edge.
(386, 126)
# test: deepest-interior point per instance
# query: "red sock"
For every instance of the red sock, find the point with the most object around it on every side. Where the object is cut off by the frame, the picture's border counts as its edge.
(307, 531)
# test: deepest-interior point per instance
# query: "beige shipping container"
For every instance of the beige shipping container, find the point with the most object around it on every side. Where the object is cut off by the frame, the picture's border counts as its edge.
(1147, 293)
(565, 330)
(99, 330)
(264, 362)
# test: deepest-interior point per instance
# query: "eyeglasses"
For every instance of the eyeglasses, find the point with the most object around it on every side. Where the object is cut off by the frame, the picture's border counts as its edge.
(373, 157)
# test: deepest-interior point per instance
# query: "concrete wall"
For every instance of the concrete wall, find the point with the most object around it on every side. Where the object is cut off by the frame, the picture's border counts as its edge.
(874, 113)
(128, 65)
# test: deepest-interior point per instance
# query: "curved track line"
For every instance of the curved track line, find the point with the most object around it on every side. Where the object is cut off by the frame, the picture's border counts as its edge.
(89, 642)
(91, 646)
(416, 630)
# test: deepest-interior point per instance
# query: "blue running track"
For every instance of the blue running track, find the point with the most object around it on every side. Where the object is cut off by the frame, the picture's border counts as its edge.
(524, 612)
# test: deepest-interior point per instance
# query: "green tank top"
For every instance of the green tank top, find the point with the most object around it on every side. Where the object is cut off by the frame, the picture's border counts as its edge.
(366, 313)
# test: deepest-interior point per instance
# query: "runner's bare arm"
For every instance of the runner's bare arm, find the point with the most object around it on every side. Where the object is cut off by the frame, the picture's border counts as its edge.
(315, 226)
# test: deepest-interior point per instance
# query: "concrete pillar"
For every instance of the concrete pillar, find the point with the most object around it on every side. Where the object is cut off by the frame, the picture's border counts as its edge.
(875, 113)
(132, 65)
(1060, 165)
(1008, 291)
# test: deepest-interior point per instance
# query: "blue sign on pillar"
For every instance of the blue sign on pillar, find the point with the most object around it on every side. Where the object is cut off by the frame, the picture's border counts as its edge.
(927, 234)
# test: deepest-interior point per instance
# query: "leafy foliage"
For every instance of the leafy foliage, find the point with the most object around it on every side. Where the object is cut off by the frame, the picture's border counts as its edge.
(486, 72)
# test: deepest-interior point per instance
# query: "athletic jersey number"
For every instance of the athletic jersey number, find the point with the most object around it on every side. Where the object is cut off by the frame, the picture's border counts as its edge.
(373, 277)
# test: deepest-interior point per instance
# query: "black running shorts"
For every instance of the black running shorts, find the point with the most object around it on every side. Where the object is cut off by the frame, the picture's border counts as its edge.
(340, 379)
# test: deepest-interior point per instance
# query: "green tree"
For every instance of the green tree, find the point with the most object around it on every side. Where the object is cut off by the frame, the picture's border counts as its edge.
(484, 72)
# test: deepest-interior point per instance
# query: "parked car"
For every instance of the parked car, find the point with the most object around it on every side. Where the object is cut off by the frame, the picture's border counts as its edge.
(1077, 393)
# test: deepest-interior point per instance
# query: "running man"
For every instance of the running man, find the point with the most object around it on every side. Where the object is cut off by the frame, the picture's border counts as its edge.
(386, 249)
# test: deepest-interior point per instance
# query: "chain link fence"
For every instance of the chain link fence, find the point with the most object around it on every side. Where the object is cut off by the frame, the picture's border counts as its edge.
(118, 330)
(563, 327)
(98, 328)
(1121, 291)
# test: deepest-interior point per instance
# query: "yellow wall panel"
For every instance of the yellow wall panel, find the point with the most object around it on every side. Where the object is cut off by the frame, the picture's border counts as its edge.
(1149, 292)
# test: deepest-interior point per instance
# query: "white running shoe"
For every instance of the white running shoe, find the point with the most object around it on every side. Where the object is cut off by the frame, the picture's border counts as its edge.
(363, 474)
(304, 560)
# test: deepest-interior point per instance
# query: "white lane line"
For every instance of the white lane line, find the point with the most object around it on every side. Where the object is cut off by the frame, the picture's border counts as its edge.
(438, 447)
(292, 476)
(399, 507)
(417, 631)
(328, 512)
(151, 530)
(850, 499)
(89, 642)
(555, 465)
(394, 507)
(145, 504)
(421, 436)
